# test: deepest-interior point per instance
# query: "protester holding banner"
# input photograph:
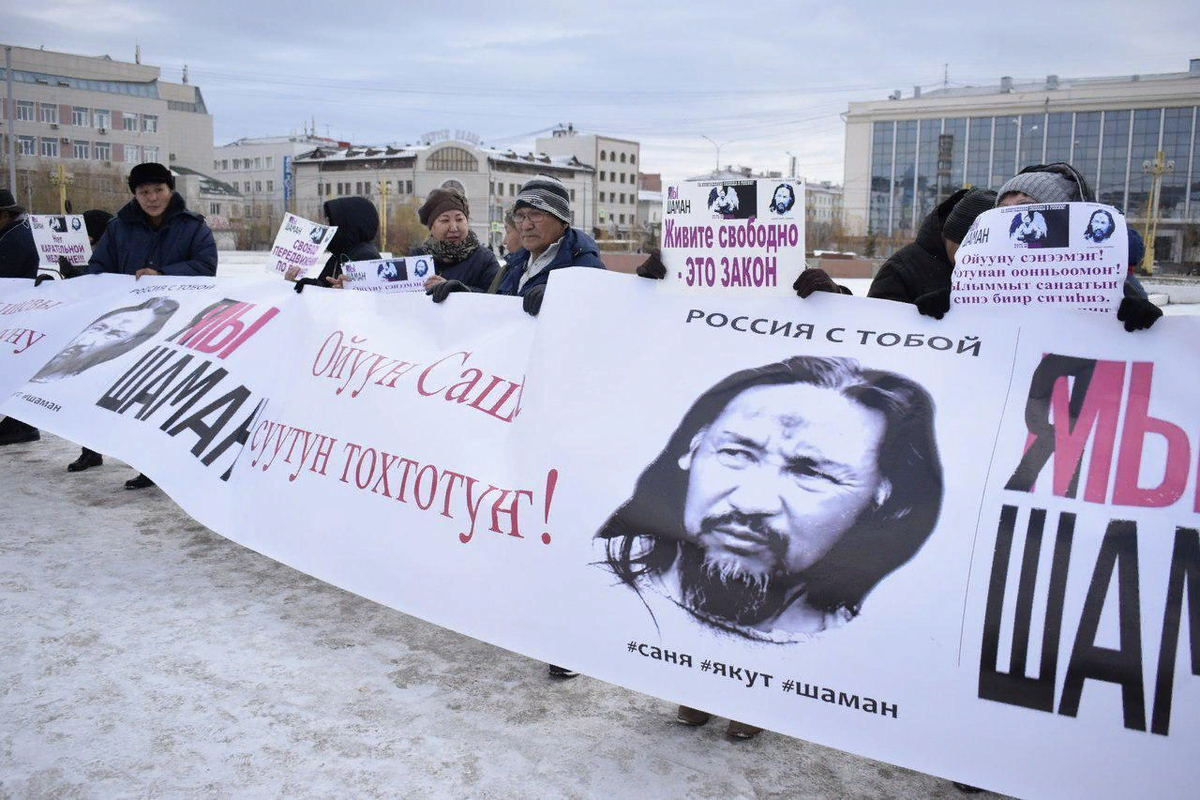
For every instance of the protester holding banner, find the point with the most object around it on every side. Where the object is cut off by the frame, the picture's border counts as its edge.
(1062, 183)
(542, 213)
(919, 272)
(357, 224)
(458, 257)
(155, 233)
(18, 259)
(18, 255)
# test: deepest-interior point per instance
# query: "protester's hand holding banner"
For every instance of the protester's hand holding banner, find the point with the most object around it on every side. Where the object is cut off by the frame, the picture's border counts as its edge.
(968, 547)
(388, 275)
(744, 236)
(1062, 255)
(299, 246)
(60, 236)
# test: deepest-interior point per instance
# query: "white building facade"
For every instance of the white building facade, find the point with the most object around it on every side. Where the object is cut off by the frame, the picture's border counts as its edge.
(903, 154)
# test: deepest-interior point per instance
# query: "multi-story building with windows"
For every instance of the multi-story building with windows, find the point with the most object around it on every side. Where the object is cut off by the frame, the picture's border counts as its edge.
(97, 117)
(612, 207)
(903, 154)
(489, 178)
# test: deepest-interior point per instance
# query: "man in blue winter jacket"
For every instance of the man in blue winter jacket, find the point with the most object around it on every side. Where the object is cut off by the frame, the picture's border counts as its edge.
(542, 214)
(155, 233)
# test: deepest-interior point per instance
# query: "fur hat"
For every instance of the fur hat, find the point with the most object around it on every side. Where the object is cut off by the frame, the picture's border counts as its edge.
(441, 201)
(150, 172)
(972, 204)
(9, 203)
(546, 194)
(96, 221)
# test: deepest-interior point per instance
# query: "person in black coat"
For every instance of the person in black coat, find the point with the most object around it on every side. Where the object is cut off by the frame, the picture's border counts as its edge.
(457, 253)
(919, 273)
(357, 224)
(18, 259)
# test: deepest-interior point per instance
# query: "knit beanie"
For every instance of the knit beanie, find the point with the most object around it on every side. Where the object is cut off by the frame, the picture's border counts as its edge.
(441, 201)
(546, 194)
(972, 204)
(150, 172)
(96, 221)
(1043, 187)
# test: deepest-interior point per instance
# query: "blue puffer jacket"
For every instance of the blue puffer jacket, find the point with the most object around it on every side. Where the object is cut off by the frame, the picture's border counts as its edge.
(18, 254)
(181, 245)
(576, 249)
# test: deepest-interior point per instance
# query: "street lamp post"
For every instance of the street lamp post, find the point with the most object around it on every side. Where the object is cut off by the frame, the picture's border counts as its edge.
(718, 148)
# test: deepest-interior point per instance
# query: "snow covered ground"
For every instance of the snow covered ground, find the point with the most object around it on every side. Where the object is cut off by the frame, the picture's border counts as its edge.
(144, 656)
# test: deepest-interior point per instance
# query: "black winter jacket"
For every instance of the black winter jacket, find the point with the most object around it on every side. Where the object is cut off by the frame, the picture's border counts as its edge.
(181, 245)
(922, 266)
(357, 224)
(18, 254)
(477, 270)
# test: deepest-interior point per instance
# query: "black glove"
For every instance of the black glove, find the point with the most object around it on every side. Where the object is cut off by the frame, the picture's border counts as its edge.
(38, 280)
(934, 304)
(1138, 313)
(300, 284)
(652, 267)
(816, 280)
(442, 290)
(532, 301)
(67, 269)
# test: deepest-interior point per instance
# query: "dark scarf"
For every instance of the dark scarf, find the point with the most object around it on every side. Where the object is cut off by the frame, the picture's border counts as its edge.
(447, 254)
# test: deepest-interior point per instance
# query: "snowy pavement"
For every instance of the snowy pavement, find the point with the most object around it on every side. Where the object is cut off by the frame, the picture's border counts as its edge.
(145, 656)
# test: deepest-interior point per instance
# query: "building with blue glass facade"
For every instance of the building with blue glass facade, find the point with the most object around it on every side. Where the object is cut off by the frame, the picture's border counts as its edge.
(903, 154)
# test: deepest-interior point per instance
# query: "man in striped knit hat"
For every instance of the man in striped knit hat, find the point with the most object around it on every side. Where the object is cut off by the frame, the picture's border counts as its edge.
(542, 214)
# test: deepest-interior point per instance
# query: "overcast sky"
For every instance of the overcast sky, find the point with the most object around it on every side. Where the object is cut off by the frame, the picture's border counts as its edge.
(759, 78)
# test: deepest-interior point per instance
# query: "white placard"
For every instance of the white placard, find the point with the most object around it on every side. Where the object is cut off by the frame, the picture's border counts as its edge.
(735, 236)
(58, 235)
(389, 275)
(1065, 255)
(300, 244)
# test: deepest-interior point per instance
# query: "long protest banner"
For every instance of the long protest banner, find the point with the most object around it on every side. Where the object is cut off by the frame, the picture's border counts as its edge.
(966, 546)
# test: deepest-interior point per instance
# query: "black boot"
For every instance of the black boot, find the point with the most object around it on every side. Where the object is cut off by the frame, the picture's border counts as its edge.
(140, 482)
(13, 431)
(87, 459)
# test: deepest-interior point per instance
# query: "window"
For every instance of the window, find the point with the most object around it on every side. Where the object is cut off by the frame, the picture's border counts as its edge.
(622, 177)
(101, 118)
(602, 175)
(25, 110)
(270, 159)
(622, 161)
(82, 149)
(80, 117)
(632, 158)
(258, 162)
(500, 188)
(452, 159)
(129, 122)
(48, 113)
(225, 164)
(328, 189)
(102, 151)
(258, 186)
(26, 145)
(320, 190)
(214, 208)
(133, 154)
(270, 186)
(408, 187)
(246, 187)
(151, 153)
(216, 165)
(50, 148)
(149, 123)
(512, 189)
(622, 197)
(358, 187)
(572, 195)
(603, 156)
(237, 163)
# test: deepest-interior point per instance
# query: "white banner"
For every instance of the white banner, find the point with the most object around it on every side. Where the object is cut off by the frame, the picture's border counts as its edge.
(300, 244)
(965, 546)
(737, 236)
(60, 235)
(1068, 255)
(389, 275)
